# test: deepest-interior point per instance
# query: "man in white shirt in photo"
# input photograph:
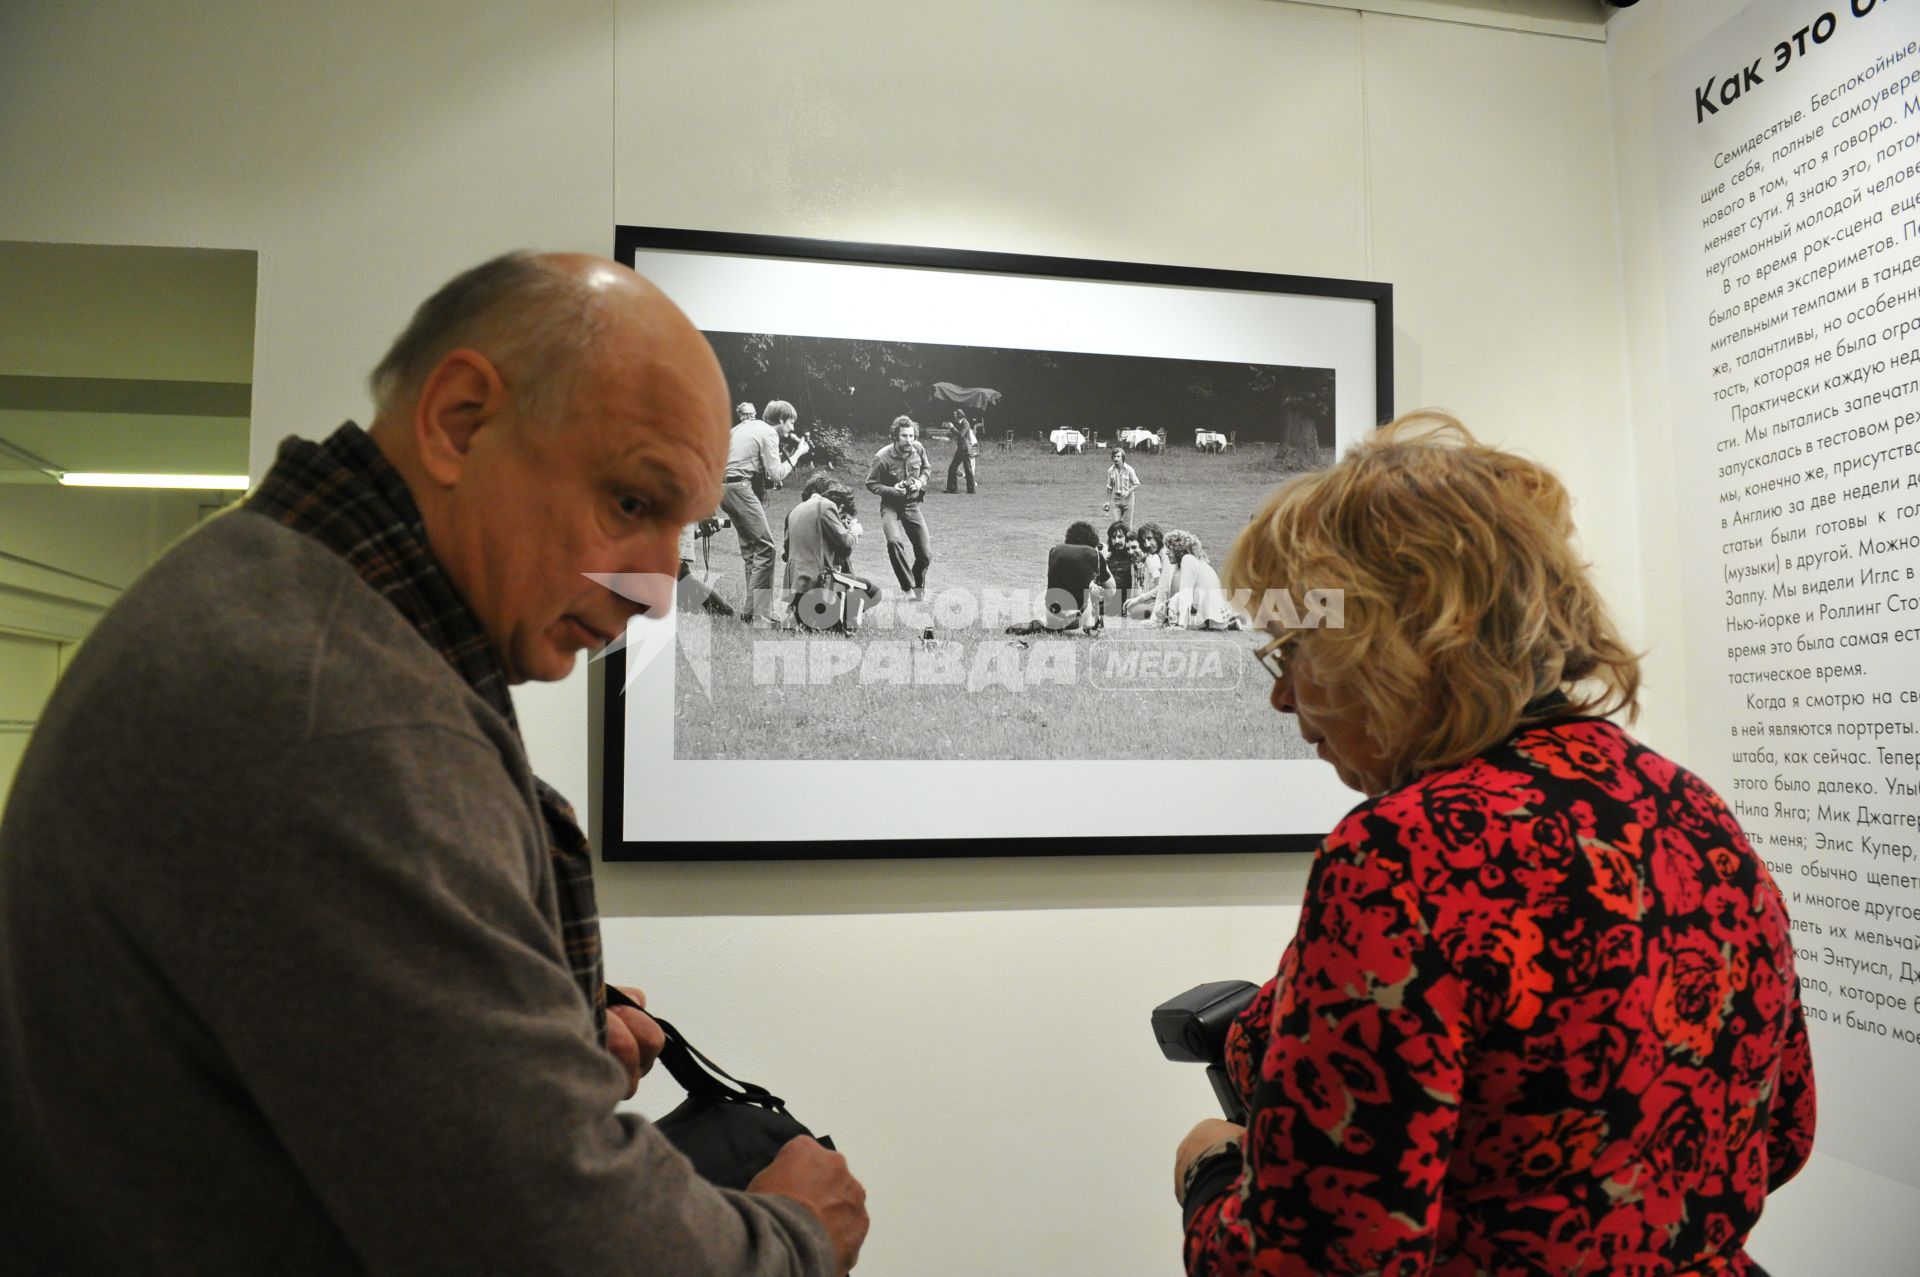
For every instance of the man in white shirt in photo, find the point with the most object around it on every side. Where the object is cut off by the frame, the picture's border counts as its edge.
(754, 464)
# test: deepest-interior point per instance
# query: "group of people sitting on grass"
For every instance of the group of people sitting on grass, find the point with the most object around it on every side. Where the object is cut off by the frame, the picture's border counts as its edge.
(1140, 573)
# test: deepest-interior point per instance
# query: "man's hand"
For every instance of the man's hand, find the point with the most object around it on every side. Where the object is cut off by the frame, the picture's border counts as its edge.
(818, 1179)
(633, 1039)
(1209, 1135)
(803, 449)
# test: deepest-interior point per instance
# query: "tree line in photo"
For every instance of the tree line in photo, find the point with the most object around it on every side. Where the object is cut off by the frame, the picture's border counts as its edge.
(853, 386)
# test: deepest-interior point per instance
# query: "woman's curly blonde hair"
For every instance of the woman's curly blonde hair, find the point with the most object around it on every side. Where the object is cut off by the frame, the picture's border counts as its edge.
(1465, 600)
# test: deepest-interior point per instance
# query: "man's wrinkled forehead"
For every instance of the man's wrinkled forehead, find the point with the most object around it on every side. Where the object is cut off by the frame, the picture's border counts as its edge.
(664, 402)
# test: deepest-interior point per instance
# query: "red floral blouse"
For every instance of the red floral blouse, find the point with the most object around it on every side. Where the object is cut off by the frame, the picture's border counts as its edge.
(1540, 1017)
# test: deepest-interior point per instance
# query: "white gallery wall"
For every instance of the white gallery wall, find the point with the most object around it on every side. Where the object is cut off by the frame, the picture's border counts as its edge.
(972, 1032)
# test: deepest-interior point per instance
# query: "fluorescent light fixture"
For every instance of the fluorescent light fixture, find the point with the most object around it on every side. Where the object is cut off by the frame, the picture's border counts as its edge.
(102, 479)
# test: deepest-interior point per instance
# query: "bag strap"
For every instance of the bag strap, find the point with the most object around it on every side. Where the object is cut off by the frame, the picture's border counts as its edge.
(701, 1078)
(695, 1073)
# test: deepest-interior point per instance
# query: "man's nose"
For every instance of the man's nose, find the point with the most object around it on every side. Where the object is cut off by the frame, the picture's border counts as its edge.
(645, 582)
(639, 593)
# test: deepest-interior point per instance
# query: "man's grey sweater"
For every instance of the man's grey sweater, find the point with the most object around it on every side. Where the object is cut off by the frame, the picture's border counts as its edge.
(281, 981)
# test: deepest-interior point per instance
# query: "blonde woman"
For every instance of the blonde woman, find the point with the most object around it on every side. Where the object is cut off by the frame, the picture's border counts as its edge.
(1540, 1014)
(1189, 595)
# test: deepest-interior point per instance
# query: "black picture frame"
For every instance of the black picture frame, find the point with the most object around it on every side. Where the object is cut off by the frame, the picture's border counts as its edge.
(608, 721)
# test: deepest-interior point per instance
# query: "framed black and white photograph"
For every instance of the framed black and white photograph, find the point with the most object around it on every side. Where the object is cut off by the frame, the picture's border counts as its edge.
(984, 499)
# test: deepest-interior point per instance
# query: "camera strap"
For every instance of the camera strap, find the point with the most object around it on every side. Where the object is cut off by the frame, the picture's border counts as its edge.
(697, 1075)
(702, 1078)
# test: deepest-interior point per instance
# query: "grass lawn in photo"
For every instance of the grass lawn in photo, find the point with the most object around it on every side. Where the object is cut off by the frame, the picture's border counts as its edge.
(967, 690)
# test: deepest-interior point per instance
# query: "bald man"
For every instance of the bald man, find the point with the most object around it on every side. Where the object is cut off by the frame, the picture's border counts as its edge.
(299, 965)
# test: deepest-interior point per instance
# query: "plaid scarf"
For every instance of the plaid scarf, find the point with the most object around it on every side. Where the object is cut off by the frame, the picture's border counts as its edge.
(344, 494)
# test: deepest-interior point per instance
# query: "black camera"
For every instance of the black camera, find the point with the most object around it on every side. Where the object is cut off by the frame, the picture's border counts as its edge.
(1192, 1028)
(708, 528)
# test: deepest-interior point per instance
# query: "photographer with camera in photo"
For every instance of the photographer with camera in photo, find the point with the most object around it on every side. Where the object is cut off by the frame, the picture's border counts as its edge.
(753, 464)
(899, 478)
(822, 532)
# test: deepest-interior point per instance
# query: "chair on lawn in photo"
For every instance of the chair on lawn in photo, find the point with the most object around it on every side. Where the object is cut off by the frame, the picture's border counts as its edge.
(1006, 444)
(1233, 437)
(1096, 442)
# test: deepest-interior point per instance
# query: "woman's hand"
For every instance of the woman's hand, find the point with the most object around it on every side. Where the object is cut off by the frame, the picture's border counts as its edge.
(1209, 1136)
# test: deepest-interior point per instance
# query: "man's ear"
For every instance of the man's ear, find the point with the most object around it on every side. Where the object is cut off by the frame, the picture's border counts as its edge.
(463, 393)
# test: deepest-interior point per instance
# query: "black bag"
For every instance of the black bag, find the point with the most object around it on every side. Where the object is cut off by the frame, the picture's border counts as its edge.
(729, 1133)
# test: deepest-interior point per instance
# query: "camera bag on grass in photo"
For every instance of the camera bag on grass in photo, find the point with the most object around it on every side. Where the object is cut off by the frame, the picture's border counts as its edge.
(729, 1133)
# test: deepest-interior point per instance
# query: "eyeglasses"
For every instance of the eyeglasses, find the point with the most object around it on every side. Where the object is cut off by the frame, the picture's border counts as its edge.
(1272, 655)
